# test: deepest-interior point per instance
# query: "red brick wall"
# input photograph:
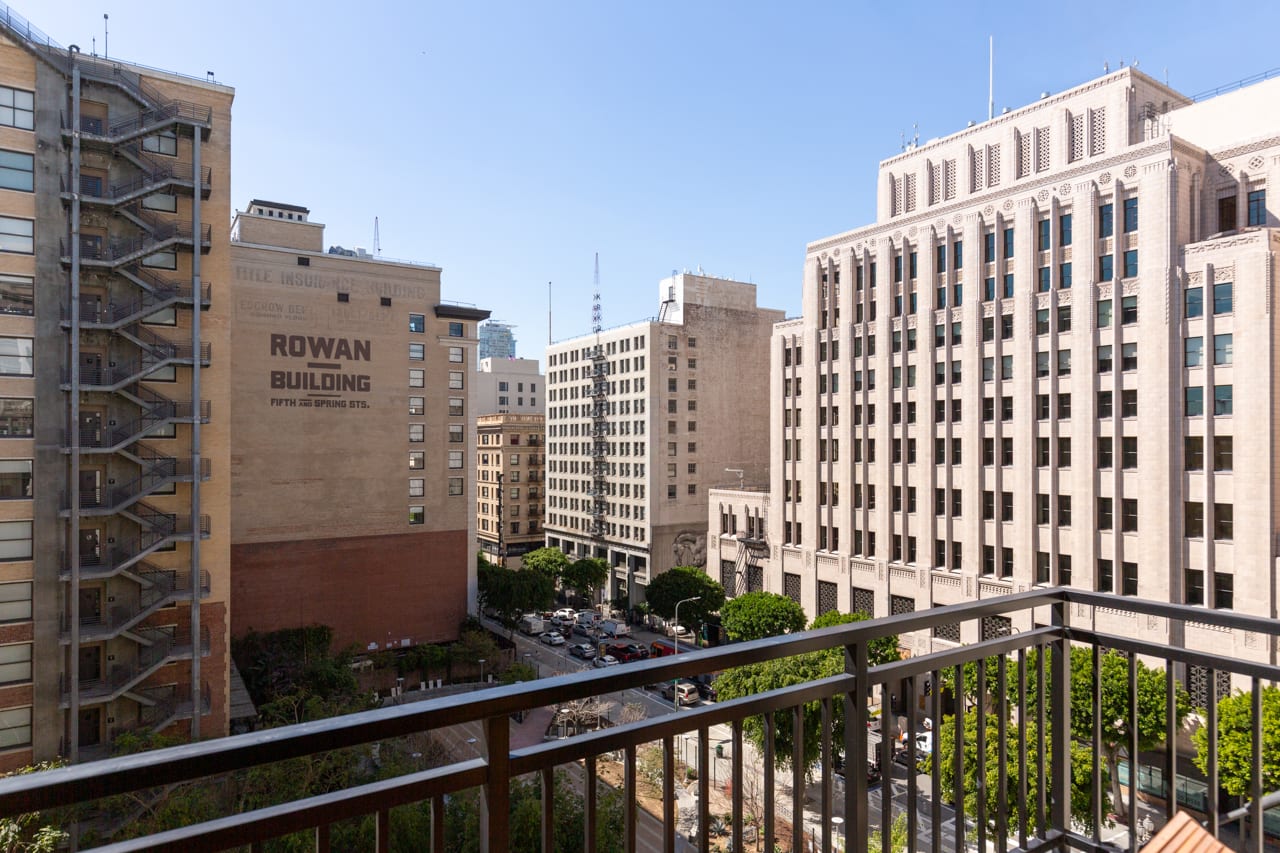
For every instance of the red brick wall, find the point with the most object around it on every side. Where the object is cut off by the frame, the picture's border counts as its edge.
(369, 589)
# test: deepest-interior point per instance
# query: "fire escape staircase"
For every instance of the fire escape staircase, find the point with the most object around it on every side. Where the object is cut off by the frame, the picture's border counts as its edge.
(599, 444)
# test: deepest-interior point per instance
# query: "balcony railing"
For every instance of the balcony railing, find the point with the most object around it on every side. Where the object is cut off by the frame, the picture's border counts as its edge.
(1039, 817)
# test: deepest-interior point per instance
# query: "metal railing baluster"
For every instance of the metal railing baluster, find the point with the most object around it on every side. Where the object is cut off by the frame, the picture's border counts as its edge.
(770, 807)
(1211, 723)
(980, 771)
(1002, 771)
(1132, 748)
(1099, 795)
(548, 781)
(909, 696)
(828, 775)
(628, 800)
(735, 761)
(1257, 833)
(669, 794)
(383, 829)
(935, 817)
(957, 756)
(589, 806)
(437, 824)
(797, 777)
(704, 789)
(1024, 808)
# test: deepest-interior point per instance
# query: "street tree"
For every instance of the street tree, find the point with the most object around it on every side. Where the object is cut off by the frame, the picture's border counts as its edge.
(682, 583)
(1014, 807)
(798, 669)
(1234, 747)
(761, 614)
(585, 576)
(1116, 730)
(549, 561)
(507, 593)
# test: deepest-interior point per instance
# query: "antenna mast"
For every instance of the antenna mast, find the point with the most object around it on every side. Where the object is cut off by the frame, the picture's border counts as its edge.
(596, 314)
(991, 77)
(377, 240)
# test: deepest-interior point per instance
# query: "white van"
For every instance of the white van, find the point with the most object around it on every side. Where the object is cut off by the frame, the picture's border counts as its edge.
(614, 628)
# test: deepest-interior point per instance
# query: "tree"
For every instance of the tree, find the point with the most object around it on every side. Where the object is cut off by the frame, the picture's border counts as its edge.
(680, 583)
(1114, 678)
(585, 576)
(777, 674)
(507, 593)
(756, 615)
(1016, 809)
(1234, 747)
(548, 561)
(28, 833)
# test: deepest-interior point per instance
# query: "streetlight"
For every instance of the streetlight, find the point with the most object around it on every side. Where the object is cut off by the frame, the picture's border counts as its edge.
(837, 823)
(675, 636)
(530, 662)
(482, 670)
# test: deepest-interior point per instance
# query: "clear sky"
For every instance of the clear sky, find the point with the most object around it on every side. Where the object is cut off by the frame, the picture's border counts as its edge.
(510, 141)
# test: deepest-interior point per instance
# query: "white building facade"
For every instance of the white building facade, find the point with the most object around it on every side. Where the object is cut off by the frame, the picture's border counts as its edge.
(509, 386)
(1024, 372)
(644, 418)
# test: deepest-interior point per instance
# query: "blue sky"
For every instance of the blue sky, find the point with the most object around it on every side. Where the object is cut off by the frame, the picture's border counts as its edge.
(508, 142)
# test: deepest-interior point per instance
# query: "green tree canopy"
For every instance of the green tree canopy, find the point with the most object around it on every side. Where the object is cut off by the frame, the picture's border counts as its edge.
(507, 593)
(680, 583)
(549, 561)
(585, 576)
(1016, 808)
(785, 672)
(761, 614)
(1234, 748)
(1114, 677)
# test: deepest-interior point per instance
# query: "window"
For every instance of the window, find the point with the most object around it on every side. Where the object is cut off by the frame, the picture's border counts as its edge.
(1193, 587)
(1064, 276)
(17, 235)
(1129, 356)
(17, 108)
(1222, 451)
(417, 378)
(1104, 359)
(1193, 453)
(455, 380)
(1222, 349)
(416, 460)
(1106, 577)
(455, 486)
(1194, 302)
(16, 417)
(15, 357)
(1106, 267)
(1007, 288)
(1193, 519)
(17, 295)
(1042, 407)
(1008, 243)
(1257, 207)
(1194, 401)
(1128, 452)
(17, 171)
(1128, 310)
(417, 515)
(1227, 212)
(1042, 321)
(1129, 403)
(1064, 362)
(1130, 215)
(1006, 506)
(1128, 578)
(1130, 263)
(1043, 284)
(1129, 515)
(1221, 398)
(1042, 364)
(455, 460)
(1106, 220)
(456, 330)
(455, 354)
(416, 433)
(15, 602)
(1104, 313)
(1006, 367)
(1042, 509)
(1222, 521)
(1064, 452)
(1064, 229)
(416, 487)
(417, 323)
(1064, 406)
(417, 352)
(1104, 513)
(455, 435)
(1194, 351)
(456, 407)
(15, 540)
(165, 142)
(1223, 590)
(1222, 298)
(15, 663)
(1104, 452)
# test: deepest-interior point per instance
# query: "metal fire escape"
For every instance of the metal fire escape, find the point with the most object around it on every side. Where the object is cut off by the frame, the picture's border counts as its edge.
(748, 574)
(117, 580)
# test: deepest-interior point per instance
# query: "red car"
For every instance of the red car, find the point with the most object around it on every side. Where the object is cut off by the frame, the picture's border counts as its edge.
(629, 652)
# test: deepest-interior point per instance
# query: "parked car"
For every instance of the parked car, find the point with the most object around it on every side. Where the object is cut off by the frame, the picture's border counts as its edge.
(706, 685)
(562, 621)
(680, 631)
(580, 630)
(551, 638)
(629, 652)
(923, 750)
(606, 660)
(685, 692)
(567, 613)
(586, 651)
(614, 628)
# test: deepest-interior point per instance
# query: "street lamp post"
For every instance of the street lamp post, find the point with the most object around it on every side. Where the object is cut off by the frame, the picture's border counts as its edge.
(482, 670)
(533, 664)
(675, 636)
(837, 823)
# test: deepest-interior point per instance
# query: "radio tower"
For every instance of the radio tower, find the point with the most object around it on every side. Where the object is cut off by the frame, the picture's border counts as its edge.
(596, 314)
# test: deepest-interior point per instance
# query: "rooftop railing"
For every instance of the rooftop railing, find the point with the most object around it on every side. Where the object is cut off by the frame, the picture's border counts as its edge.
(1023, 695)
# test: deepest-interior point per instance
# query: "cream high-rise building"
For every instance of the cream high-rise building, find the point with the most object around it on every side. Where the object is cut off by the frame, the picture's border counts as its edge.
(1024, 372)
(643, 419)
(114, 415)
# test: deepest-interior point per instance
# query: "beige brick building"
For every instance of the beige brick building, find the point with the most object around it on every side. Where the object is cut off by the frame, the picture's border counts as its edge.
(353, 476)
(644, 418)
(510, 485)
(1024, 371)
(113, 401)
